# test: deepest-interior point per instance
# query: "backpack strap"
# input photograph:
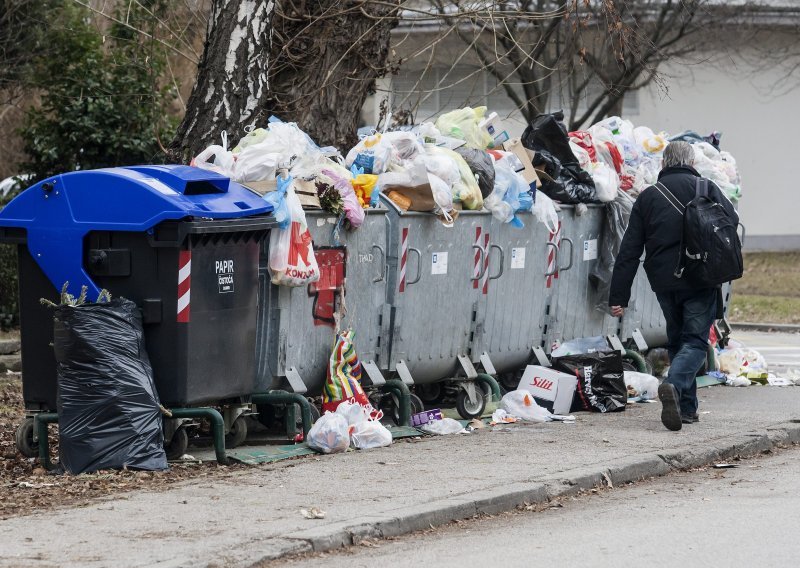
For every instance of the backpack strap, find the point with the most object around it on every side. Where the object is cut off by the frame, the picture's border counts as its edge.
(701, 187)
(669, 196)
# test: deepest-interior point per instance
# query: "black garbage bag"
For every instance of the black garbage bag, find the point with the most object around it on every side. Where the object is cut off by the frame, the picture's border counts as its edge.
(482, 165)
(615, 223)
(547, 136)
(108, 408)
(601, 380)
(548, 132)
(566, 184)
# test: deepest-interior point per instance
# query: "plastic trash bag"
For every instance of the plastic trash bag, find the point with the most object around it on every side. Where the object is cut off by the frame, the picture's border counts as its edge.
(482, 166)
(545, 211)
(511, 193)
(443, 427)
(353, 412)
(330, 434)
(370, 434)
(277, 198)
(584, 159)
(291, 252)
(464, 124)
(343, 382)
(373, 154)
(581, 345)
(740, 360)
(649, 141)
(646, 386)
(465, 190)
(522, 405)
(615, 223)
(601, 380)
(353, 210)
(108, 407)
(606, 181)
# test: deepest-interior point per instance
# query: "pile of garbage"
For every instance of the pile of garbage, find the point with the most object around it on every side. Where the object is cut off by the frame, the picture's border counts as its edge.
(740, 366)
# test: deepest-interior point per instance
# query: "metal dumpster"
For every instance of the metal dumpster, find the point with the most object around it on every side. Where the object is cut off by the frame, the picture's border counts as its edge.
(436, 279)
(572, 310)
(180, 242)
(520, 284)
(296, 326)
(644, 314)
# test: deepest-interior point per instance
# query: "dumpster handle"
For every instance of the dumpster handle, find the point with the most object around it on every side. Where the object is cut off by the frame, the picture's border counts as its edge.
(419, 266)
(744, 233)
(571, 253)
(502, 261)
(555, 264)
(40, 422)
(384, 266)
(484, 265)
(217, 427)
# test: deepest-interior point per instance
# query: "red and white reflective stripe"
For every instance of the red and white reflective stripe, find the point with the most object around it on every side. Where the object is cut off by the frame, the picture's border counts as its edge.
(485, 280)
(403, 259)
(555, 238)
(184, 285)
(476, 269)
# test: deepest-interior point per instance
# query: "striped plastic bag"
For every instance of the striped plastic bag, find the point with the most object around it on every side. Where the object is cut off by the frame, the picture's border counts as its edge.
(344, 374)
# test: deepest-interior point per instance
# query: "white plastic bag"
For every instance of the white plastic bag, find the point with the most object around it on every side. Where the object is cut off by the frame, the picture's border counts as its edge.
(606, 181)
(291, 252)
(373, 154)
(370, 434)
(443, 427)
(545, 211)
(520, 403)
(645, 385)
(330, 434)
(353, 412)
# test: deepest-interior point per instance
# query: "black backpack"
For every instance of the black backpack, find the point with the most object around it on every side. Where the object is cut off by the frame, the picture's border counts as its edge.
(711, 252)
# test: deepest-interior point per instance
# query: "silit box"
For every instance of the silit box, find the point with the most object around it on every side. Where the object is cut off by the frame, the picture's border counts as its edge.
(552, 390)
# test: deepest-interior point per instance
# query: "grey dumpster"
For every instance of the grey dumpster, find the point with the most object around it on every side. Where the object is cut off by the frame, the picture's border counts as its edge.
(514, 308)
(295, 332)
(644, 314)
(436, 278)
(572, 311)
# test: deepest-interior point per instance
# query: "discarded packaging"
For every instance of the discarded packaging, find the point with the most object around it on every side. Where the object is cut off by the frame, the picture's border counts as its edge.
(551, 389)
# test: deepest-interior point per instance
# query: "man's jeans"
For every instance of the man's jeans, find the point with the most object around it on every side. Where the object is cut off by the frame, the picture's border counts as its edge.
(689, 315)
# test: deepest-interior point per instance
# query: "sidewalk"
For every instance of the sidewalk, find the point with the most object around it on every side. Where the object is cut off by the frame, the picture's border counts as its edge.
(255, 515)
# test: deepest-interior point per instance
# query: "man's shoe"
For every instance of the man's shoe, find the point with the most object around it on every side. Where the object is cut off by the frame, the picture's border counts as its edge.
(670, 409)
(690, 418)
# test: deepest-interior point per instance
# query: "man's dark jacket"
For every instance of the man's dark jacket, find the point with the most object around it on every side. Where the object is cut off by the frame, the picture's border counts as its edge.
(656, 226)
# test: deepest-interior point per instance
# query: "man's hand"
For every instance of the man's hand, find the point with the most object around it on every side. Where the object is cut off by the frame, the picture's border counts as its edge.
(617, 311)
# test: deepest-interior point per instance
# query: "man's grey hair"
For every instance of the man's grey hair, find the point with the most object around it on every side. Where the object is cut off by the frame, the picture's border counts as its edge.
(678, 154)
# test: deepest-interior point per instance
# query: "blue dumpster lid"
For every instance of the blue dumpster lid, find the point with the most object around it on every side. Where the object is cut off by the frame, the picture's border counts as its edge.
(58, 212)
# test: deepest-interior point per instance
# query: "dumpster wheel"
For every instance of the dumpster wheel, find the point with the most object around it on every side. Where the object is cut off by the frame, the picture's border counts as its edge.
(177, 446)
(466, 408)
(431, 393)
(390, 406)
(237, 434)
(24, 439)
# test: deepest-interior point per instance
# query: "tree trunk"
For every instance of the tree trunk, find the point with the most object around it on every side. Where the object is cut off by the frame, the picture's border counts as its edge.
(326, 57)
(231, 88)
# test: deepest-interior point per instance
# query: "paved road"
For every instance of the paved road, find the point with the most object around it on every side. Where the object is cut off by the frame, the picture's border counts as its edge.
(781, 350)
(746, 516)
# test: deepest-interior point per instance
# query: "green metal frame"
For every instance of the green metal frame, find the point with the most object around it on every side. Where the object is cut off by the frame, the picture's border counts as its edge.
(290, 399)
(636, 357)
(400, 389)
(493, 385)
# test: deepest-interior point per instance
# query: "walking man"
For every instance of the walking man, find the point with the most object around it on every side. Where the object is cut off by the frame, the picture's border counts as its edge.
(656, 226)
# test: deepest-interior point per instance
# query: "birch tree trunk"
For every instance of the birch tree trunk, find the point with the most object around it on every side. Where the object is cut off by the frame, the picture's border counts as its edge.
(231, 88)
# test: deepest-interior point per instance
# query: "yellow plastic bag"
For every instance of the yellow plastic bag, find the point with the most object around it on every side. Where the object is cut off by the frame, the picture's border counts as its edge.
(363, 184)
(466, 190)
(464, 125)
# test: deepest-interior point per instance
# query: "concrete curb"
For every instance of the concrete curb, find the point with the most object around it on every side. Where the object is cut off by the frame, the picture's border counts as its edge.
(752, 326)
(630, 469)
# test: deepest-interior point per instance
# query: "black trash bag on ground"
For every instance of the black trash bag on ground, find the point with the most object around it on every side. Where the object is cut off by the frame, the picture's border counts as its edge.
(482, 165)
(108, 408)
(547, 136)
(601, 380)
(615, 223)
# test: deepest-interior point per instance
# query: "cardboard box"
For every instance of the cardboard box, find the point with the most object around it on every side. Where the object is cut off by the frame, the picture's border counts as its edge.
(525, 156)
(552, 390)
(425, 417)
